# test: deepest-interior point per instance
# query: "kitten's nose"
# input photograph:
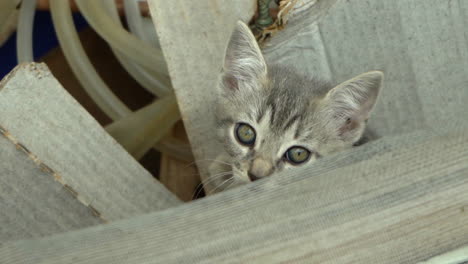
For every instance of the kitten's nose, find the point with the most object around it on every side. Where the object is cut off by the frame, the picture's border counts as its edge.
(259, 168)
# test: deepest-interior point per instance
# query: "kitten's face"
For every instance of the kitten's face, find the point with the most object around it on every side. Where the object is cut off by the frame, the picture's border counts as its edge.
(272, 118)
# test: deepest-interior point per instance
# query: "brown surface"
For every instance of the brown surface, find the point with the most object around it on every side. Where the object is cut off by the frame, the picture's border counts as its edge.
(180, 177)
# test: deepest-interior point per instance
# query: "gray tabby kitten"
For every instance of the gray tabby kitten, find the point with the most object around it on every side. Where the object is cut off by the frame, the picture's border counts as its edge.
(271, 118)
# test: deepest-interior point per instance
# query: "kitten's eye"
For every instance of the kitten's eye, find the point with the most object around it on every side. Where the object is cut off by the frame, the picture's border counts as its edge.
(297, 155)
(245, 134)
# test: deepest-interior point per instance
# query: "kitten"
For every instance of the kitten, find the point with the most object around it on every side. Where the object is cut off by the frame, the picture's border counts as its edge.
(271, 118)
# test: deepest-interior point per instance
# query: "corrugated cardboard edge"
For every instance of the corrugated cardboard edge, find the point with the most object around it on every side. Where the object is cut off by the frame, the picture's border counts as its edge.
(41, 70)
(46, 169)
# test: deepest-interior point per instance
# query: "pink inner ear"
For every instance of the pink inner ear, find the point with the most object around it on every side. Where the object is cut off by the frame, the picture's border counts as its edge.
(349, 125)
(230, 82)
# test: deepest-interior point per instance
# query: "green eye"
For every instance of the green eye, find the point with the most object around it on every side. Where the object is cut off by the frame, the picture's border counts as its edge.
(245, 134)
(297, 155)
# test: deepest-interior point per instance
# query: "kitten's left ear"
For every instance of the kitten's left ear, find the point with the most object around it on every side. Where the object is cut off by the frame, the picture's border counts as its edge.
(244, 64)
(350, 103)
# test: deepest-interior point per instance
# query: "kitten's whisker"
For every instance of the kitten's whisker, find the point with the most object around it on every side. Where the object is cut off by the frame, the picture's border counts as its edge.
(215, 177)
(220, 173)
(210, 179)
(197, 191)
(212, 160)
(198, 174)
(191, 175)
(236, 169)
(224, 182)
(219, 161)
(198, 188)
(230, 184)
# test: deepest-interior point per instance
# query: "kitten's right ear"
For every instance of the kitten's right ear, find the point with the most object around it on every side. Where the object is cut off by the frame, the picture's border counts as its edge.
(244, 64)
(349, 104)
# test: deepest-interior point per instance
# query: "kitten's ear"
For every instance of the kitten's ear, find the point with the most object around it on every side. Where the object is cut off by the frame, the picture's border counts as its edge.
(243, 62)
(350, 103)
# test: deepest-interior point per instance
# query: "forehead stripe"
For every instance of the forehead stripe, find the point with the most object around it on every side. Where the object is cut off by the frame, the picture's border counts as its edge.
(291, 121)
(273, 113)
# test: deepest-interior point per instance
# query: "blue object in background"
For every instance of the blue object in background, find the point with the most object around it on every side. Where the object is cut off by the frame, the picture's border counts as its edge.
(44, 39)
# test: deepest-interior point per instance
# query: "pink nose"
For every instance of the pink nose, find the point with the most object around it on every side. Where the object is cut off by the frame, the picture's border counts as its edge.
(259, 168)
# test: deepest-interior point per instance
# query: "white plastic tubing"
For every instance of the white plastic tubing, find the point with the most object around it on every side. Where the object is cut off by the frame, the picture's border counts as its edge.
(134, 19)
(103, 21)
(80, 64)
(141, 52)
(24, 41)
(154, 82)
